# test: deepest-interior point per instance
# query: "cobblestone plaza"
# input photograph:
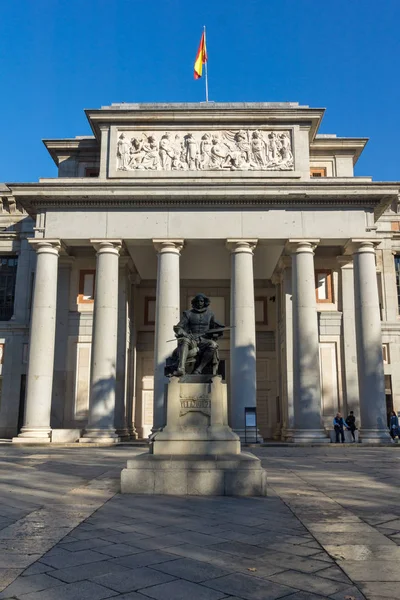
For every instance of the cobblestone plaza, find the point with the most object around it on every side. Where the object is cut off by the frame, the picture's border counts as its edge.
(329, 528)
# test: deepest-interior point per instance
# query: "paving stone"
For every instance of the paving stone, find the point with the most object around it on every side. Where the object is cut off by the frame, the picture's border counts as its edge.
(156, 543)
(182, 590)
(298, 563)
(309, 583)
(30, 583)
(389, 590)
(116, 550)
(87, 544)
(394, 524)
(113, 537)
(303, 596)
(334, 573)
(364, 552)
(17, 561)
(7, 576)
(133, 580)
(63, 558)
(330, 539)
(134, 596)
(36, 569)
(249, 588)
(239, 549)
(293, 549)
(322, 556)
(372, 570)
(350, 592)
(144, 559)
(192, 570)
(83, 590)
(88, 571)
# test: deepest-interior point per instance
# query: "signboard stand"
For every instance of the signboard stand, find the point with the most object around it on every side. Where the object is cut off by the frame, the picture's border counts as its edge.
(250, 424)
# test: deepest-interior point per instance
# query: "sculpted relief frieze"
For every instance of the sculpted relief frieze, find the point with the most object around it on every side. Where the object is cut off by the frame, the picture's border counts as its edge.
(244, 150)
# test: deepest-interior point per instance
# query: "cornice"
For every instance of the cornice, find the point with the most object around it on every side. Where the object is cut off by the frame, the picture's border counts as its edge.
(246, 114)
(203, 192)
(55, 147)
(352, 146)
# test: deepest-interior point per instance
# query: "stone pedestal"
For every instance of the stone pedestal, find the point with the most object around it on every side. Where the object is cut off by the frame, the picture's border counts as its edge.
(197, 453)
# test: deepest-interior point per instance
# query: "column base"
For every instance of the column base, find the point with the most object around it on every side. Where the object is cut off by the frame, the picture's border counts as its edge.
(375, 436)
(307, 436)
(33, 435)
(123, 434)
(99, 436)
(251, 436)
(133, 434)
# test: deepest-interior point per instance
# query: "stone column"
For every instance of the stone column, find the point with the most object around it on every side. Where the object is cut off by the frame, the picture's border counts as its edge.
(307, 426)
(349, 335)
(167, 315)
(23, 281)
(36, 428)
(369, 345)
(101, 426)
(121, 397)
(243, 334)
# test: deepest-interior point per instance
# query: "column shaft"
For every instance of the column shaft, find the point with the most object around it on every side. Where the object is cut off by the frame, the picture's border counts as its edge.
(104, 344)
(167, 315)
(306, 364)
(243, 335)
(349, 336)
(369, 346)
(36, 426)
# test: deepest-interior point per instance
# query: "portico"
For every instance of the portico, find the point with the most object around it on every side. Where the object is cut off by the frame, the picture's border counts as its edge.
(273, 248)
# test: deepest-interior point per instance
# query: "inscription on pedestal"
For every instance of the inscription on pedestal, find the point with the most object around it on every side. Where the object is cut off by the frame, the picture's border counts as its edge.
(197, 404)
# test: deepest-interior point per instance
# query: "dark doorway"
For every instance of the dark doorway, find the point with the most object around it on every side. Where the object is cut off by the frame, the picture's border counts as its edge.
(21, 410)
(389, 397)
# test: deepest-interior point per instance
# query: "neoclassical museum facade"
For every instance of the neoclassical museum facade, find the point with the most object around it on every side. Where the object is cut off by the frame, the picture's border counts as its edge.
(244, 202)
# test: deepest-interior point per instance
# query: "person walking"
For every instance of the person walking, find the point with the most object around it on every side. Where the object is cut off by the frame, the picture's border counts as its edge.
(351, 424)
(394, 426)
(339, 425)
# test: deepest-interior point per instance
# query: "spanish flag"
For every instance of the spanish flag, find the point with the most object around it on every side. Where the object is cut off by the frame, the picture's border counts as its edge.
(201, 57)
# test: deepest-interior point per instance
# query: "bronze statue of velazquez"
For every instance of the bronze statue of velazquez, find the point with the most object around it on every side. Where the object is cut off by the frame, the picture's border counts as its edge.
(197, 350)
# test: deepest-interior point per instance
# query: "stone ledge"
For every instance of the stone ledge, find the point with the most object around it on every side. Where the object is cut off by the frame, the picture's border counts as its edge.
(228, 475)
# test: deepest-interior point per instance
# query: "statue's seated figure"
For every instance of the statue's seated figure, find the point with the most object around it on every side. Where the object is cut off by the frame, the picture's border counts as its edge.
(197, 350)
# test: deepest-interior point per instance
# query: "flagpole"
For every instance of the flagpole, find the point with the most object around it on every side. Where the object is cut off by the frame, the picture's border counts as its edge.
(205, 65)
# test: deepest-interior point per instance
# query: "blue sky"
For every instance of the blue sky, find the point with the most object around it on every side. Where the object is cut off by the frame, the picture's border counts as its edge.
(58, 57)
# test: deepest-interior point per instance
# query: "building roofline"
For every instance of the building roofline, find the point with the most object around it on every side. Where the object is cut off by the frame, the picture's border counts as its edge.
(225, 114)
(354, 146)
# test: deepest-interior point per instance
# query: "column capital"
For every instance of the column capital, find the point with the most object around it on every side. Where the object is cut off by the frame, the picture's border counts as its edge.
(171, 246)
(294, 246)
(345, 261)
(107, 246)
(49, 246)
(236, 246)
(356, 245)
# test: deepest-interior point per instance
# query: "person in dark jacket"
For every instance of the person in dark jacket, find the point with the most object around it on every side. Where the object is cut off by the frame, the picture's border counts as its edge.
(394, 426)
(339, 425)
(351, 424)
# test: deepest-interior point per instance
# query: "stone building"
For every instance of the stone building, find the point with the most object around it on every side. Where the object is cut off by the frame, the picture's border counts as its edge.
(246, 203)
